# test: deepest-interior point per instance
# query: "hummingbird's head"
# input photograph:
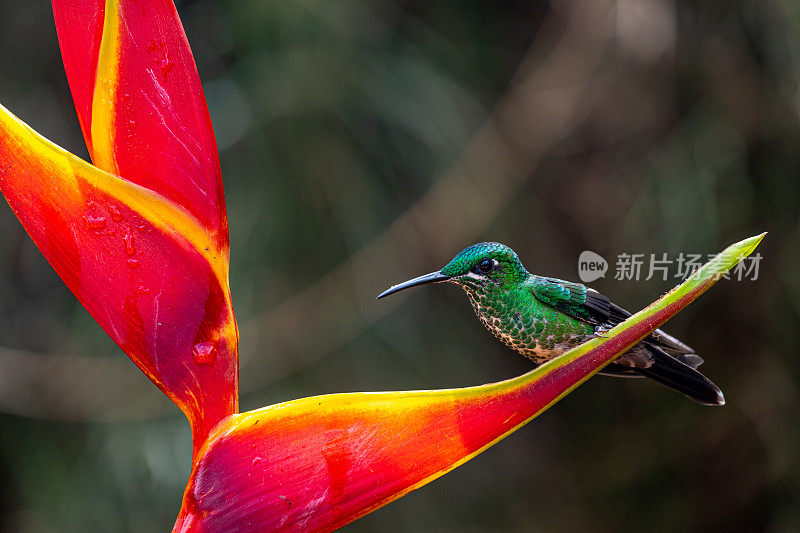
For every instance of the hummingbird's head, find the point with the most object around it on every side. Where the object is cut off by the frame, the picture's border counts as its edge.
(483, 266)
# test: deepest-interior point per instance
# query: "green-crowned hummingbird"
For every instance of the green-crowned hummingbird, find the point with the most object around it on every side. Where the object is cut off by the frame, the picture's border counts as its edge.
(542, 318)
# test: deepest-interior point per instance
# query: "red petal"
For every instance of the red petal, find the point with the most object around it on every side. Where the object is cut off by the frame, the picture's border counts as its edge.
(318, 463)
(144, 268)
(140, 102)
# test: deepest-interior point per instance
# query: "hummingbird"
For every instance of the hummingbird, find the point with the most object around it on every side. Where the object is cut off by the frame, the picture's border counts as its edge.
(541, 318)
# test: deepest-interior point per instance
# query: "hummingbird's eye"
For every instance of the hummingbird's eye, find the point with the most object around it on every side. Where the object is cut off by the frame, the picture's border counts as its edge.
(485, 266)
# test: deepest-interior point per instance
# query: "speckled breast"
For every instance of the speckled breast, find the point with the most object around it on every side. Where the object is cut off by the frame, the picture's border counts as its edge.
(528, 326)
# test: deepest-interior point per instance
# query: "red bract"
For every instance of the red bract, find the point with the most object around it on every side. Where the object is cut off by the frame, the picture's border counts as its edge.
(318, 463)
(141, 238)
(144, 118)
(144, 268)
(140, 102)
(153, 274)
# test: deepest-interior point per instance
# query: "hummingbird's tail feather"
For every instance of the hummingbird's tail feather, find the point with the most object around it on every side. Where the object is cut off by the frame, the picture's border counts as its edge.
(690, 359)
(682, 377)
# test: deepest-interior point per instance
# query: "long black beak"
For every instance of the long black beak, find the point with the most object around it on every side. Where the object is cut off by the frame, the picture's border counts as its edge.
(427, 278)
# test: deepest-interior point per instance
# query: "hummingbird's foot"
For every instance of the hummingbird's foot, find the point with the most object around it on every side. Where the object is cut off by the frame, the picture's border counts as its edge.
(599, 330)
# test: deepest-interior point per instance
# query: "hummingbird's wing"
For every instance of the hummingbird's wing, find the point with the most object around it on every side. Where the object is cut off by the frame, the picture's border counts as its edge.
(588, 305)
(573, 299)
(663, 358)
(659, 356)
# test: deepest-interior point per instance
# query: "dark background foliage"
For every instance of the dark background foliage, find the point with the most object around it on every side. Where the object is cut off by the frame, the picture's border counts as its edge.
(363, 143)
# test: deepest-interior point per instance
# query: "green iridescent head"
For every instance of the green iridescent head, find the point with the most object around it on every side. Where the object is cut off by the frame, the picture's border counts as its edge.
(485, 264)
(487, 259)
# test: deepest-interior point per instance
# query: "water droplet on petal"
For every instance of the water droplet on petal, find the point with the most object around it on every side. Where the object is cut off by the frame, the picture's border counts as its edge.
(95, 222)
(130, 248)
(115, 213)
(133, 263)
(204, 353)
(256, 460)
(143, 289)
(166, 65)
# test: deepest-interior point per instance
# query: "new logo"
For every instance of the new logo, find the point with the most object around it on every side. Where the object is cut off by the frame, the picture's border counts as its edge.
(591, 266)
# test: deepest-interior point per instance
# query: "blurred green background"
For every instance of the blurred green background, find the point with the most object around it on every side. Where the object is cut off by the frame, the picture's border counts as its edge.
(364, 143)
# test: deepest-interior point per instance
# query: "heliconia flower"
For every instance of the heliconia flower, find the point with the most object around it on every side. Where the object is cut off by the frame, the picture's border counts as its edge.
(141, 239)
(319, 463)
